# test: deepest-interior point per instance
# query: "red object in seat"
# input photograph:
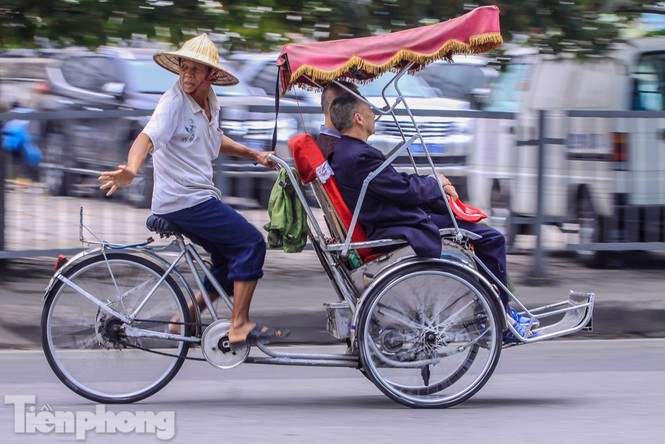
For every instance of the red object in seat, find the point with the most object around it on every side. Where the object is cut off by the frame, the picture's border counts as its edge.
(466, 212)
(311, 165)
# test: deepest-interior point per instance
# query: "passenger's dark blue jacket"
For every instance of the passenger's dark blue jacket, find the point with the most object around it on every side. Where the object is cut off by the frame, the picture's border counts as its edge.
(393, 206)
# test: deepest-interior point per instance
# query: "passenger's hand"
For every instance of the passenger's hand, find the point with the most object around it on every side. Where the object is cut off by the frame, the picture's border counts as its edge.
(119, 178)
(262, 158)
(451, 191)
(448, 187)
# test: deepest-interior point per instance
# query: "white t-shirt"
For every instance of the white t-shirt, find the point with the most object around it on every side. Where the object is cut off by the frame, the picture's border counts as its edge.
(185, 145)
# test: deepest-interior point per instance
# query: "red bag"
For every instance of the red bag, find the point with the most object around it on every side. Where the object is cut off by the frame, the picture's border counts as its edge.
(465, 212)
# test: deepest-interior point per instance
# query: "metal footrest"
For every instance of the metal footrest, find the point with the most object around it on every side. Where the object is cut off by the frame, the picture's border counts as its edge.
(564, 317)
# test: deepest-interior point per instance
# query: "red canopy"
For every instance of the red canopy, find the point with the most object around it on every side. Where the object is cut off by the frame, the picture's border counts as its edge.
(362, 59)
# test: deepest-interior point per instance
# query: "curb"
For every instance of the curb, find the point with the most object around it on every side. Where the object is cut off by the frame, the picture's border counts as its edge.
(307, 327)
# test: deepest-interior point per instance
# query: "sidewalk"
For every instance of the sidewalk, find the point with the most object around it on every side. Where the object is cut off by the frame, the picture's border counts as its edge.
(630, 299)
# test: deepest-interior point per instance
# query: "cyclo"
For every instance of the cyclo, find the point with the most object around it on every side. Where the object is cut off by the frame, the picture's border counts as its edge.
(427, 332)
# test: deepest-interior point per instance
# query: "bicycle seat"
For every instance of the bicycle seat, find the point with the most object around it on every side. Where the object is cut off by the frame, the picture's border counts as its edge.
(161, 226)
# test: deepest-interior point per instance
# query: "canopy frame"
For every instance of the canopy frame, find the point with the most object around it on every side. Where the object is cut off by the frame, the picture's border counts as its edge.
(474, 32)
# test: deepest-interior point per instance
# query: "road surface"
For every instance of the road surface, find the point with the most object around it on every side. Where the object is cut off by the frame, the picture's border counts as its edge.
(582, 391)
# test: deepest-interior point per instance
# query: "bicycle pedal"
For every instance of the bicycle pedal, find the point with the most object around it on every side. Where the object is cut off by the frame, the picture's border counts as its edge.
(216, 347)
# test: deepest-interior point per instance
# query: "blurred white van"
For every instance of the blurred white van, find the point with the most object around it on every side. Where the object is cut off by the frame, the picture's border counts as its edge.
(604, 147)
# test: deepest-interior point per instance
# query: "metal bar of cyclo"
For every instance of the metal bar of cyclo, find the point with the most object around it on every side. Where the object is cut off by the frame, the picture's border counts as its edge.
(316, 109)
(538, 271)
(77, 114)
(3, 168)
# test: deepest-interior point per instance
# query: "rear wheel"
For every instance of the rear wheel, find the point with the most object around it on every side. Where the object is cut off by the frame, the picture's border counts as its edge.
(501, 216)
(57, 180)
(96, 354)
(590, 232)
(429, 336)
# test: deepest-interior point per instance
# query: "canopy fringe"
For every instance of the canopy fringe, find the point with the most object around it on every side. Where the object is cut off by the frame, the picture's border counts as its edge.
(477, 44)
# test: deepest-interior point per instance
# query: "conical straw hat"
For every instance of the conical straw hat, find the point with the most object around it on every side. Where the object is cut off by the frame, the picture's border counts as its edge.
(198, 49)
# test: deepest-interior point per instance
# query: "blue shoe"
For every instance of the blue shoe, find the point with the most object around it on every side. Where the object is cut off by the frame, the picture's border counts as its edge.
(524, 320)
(522, 329)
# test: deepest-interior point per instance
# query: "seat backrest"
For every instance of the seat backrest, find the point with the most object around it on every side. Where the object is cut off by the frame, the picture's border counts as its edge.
(314, 168)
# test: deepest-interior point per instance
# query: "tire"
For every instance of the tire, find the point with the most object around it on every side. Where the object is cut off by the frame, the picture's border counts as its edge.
(85, 346)
(430, 336)
(139, 192)
(57, 181)
(501, 217)
(590, 231)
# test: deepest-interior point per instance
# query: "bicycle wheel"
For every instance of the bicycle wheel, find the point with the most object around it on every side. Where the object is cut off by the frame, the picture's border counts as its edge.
(429, 336)
(91, 351)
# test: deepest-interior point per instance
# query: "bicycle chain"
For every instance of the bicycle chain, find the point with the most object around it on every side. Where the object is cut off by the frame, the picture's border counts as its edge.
(127, 344)
(170, 355)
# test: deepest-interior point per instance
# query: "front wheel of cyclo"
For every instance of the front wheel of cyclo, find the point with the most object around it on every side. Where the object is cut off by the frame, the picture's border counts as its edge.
(429, 336)
(93, 352)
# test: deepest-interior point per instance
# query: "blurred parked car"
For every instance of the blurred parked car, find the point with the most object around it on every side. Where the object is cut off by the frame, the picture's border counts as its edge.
(22, 74)
(259, 70)
(467, 78)
(113, 78)
(448, 139)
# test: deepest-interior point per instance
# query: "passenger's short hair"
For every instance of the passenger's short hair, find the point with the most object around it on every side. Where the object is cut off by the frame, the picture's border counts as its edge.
(342, 110)
(333, 90)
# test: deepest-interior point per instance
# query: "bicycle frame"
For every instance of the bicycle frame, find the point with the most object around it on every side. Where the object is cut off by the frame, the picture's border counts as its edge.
(571, 306)
(187, 254)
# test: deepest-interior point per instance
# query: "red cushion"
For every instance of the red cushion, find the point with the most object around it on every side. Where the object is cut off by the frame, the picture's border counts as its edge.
(307, 156)
(311, 164)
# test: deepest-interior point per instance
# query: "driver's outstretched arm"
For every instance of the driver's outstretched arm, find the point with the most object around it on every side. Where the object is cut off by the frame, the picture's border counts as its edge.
(124, 175)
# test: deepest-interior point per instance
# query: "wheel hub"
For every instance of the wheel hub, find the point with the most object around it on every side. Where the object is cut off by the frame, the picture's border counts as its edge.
(430, 338)
(110, 331)
(217, 349)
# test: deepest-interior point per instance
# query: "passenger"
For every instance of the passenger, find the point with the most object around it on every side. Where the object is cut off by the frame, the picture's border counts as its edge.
(328, 135)
(184, 138)
(405, 206)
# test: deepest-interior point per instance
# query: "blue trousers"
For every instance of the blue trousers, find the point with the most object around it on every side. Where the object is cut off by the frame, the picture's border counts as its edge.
(236, 247)
(491, 249)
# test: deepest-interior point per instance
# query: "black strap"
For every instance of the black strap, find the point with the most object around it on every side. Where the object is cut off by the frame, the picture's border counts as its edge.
(274, 132)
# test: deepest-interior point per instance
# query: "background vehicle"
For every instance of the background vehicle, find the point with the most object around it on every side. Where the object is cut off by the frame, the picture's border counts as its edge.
(604, 170)
(126, 79)
(467, 78)
(448, 138)
(259, 70)
(22, 74)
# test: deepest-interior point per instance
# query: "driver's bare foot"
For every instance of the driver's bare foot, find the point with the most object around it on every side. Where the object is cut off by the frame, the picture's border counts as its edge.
(238, 334)
(252, 334)
(175, 325)
(175, 322)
